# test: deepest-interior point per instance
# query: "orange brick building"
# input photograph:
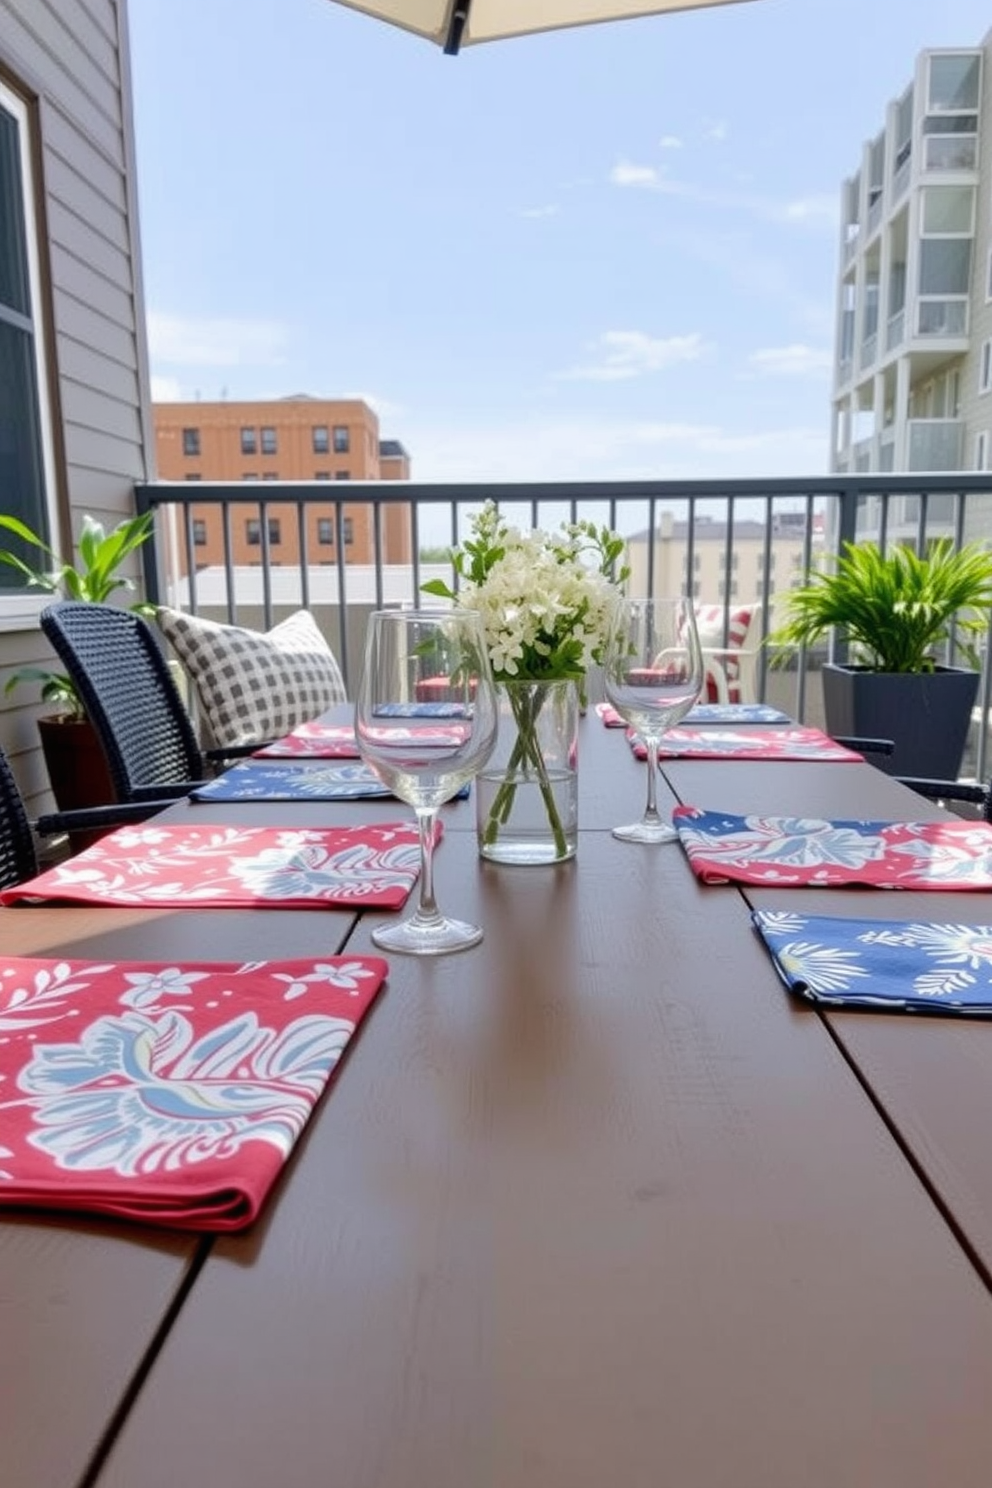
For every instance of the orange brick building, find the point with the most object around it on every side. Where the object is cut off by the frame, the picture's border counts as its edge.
(287, 439)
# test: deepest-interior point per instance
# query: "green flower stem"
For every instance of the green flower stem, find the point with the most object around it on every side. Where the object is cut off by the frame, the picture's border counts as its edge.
(526, 704)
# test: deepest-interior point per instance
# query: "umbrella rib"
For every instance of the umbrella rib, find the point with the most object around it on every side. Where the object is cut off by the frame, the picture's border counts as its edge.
(459, 16)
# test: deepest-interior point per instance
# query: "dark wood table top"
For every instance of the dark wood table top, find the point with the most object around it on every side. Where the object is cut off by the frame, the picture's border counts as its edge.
(595, 1203)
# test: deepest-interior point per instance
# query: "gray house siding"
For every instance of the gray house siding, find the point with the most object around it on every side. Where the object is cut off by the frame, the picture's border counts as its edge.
(68, 58)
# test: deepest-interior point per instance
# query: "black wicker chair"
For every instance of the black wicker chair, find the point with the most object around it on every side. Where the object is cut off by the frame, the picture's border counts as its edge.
(116, 665)
(18, 860)
(17, 855)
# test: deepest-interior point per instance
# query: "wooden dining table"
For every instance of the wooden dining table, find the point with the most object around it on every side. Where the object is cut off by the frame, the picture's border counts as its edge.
(595, 1203)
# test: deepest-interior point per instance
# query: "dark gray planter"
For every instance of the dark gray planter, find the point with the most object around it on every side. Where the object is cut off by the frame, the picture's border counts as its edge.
(925, 714)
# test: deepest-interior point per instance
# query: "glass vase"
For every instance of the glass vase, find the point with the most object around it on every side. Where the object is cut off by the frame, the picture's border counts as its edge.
(527, 796)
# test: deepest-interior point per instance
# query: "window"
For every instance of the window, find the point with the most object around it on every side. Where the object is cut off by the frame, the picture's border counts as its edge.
(325, 531)
(988, 279)
(949, 209)
(981, 451)
(192, 475)
(321, 442)
(199, 532)
(270, 445)
(248, 446)
(348, 532)
(270, 475)
(953, 83)
(191, 442)
(985, 369)
(249, 475)
(322, 475)
(342, 441)
(25, 437)
(253, 532)
(342, 475)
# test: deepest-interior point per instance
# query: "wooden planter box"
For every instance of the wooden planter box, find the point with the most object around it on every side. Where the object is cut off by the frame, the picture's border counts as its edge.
(925, 714)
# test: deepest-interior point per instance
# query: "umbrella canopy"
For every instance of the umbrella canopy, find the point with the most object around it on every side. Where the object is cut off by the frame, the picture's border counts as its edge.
(457, 23)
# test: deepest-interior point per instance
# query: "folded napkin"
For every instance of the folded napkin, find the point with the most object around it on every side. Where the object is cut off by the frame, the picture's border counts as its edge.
(182, 867)
(313, 741)
(792, 851)
(293, 780)
(421, 710)
(756, 743)
(337, 740)
(919, 967)
(297, 780)
(731, 713)
(170, 1094)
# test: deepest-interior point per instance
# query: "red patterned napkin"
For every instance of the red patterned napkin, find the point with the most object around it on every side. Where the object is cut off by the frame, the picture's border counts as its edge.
(756, 743)
(801, 852)
(337, 740)
(170, 1094)
(181, 867)
(313, 741)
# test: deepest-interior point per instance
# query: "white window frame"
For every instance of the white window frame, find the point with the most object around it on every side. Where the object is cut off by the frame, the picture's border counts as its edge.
(985, 368)
(982, 450)
(988, 279)
(20, 611)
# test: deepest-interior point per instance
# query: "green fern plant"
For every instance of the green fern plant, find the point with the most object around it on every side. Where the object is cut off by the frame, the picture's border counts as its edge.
(897, 608)
(93, 580)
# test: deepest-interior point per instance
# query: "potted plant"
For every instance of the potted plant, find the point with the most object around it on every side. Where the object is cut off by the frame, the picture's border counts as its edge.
(897, 610)
(73, 756)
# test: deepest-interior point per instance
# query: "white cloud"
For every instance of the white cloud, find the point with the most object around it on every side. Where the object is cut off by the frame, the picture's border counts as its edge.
(797, 360)
(551, 210)
(670, 142)
(816, 210)
(384, 408)
(626, 174)
(820, 207)
(715, 129)
(177, 341)
(620, 355)
(578, 448)
(167, 390)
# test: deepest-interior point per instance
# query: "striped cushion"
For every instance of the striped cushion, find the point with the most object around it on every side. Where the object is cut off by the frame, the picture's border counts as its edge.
(709, 623)
(251, 686)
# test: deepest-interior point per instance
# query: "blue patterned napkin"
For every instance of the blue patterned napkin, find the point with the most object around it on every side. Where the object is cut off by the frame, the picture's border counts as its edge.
(290, 780)
(297, 780)
(915, 967)
(735, 713)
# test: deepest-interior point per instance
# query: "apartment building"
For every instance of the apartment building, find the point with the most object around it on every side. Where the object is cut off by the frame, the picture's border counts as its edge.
(712, 564)
(298, 438)
(913, 367)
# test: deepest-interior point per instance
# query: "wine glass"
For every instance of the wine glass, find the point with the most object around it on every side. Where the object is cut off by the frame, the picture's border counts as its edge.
(425, 721)
(652, 673)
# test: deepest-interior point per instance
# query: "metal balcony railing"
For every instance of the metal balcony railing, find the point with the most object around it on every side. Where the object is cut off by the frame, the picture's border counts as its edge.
(234, 554)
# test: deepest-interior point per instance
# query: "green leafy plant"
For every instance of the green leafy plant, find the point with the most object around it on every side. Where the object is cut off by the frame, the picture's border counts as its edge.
(93, 580)
(896, 608)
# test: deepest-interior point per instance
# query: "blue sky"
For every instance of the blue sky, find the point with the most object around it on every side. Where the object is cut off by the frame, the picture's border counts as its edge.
(607, 252)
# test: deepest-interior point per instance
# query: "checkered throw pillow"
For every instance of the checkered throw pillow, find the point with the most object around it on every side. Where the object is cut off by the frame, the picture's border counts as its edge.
(253, 687)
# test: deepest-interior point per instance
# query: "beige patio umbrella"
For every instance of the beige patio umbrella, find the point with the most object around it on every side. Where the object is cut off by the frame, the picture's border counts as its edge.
(457, 23)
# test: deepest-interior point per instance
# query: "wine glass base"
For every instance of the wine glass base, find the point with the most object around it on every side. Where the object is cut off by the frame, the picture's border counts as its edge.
(646, 832)
(434, 938)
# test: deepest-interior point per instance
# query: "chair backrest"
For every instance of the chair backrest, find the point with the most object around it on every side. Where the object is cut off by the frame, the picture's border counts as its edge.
(729, 639)
(114, 659)
(17, 855)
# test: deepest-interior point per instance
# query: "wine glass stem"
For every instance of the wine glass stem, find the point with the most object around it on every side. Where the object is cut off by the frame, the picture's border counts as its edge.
(427, 908)
(651, 809)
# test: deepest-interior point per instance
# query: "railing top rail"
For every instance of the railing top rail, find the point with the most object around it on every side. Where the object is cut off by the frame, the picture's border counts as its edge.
(156, 493)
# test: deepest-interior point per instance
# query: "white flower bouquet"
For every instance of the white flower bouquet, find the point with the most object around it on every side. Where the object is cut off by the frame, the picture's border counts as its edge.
(546, 601)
